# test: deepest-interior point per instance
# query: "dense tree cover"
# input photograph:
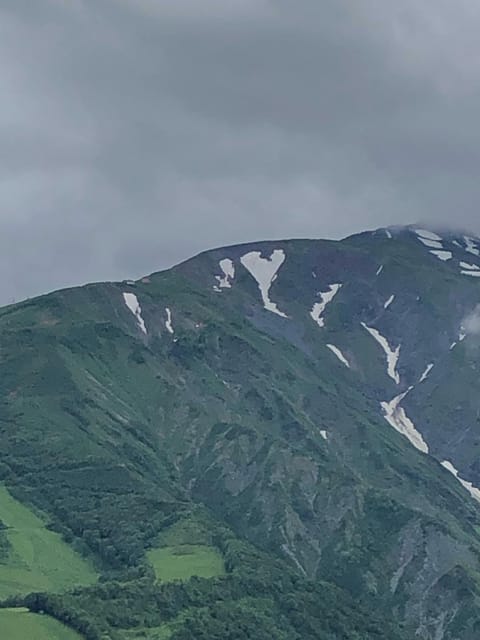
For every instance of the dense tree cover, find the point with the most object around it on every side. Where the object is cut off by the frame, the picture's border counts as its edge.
(233, 607)
(259, 597)
(4, 544)
(101, 523)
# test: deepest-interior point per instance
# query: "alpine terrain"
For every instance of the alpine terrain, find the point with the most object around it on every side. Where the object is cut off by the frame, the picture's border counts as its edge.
(277, 440)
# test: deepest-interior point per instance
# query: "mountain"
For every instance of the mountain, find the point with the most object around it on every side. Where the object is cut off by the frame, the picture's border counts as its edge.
(273, 440)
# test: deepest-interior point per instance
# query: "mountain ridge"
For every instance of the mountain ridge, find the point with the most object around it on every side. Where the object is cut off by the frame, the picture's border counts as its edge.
(454, 232)
(285, 388)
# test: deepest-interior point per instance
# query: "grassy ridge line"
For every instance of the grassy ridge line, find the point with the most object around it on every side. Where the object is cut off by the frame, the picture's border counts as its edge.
(38, 559)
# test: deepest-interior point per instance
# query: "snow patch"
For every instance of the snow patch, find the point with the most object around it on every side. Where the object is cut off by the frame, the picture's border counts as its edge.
(339, 354)
(395, 415)
(389, 302)
(426, 372)
(432, 244)
(442, 255)
(264, 270)
(228, 268)
(470, 267)
(132, 303)
(474, 491)
(168, 321)
(391, 354)
(471, 246)
(324, 435)
(475, 274)
(379, 270)
(388, 234)
(429, 235)
(319, 307)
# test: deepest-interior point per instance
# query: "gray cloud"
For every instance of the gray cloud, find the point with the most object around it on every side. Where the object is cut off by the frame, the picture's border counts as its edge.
(471, 322)
(134, 133)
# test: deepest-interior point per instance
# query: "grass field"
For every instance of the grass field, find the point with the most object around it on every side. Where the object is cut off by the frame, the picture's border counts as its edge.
(39, 559)
(20, 624)
(181, 562)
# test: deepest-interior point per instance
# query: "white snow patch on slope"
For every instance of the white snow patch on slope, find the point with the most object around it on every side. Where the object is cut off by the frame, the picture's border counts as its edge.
(379, 270)
(391, 354)
(429, 235)
(228, 268)
(429, 367)
(339, 354)
(474, 491)
(168, 321)
(442, 255)
(264, 270)
(389, 301)
(388, 234)
(324, 435)
(475, 274)
(134, 306)
(319, 307)
(470, 267)
(395, 415)
(471, 246)
(432, 244)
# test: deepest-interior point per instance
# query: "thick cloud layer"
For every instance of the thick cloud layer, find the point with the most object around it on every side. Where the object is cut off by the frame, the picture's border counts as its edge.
(134, 133)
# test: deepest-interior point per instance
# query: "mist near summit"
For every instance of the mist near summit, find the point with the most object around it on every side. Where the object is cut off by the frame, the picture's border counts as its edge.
(471, 322)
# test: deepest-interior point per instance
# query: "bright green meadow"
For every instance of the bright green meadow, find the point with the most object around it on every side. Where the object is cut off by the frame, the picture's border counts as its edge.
(38, 559)
(20, 624)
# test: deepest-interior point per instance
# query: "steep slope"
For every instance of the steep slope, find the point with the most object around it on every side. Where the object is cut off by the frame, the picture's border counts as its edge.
(306, 396)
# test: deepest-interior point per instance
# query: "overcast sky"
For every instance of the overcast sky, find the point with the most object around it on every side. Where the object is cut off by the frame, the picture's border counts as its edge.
(135, 133)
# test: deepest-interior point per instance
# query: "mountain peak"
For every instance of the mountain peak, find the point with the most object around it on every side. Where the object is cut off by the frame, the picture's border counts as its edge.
(276, 416)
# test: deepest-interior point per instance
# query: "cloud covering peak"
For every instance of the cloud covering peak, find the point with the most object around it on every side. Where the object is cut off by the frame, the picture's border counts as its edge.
(134, 133)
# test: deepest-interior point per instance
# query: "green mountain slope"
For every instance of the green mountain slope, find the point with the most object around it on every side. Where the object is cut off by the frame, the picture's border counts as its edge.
(33, 557)
(234, 407)
(18, 624)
